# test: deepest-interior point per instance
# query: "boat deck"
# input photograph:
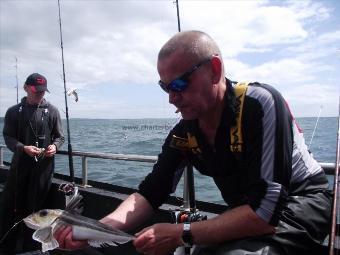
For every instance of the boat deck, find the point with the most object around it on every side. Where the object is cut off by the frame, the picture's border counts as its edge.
(101, 199)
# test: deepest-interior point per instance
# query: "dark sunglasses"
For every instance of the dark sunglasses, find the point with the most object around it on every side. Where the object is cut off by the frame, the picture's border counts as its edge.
(181, 83)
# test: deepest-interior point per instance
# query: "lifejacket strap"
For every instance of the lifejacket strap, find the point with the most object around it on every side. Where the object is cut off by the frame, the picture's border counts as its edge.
(236, 139)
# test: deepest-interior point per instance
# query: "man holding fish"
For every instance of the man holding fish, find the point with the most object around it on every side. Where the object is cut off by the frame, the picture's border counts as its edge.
(276, 191)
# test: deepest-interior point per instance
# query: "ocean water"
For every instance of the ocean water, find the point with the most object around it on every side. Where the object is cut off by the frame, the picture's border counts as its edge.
(145, 137)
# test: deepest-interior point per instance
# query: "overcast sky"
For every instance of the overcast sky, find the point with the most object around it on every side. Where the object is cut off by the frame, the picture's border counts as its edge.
(111, 48)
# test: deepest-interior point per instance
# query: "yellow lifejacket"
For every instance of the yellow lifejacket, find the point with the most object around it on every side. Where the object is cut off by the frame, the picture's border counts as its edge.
(236, 138)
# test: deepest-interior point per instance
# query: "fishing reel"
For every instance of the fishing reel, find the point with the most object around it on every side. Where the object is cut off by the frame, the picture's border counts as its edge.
(192, 215)
(69, 189)
(39, 143)
(41, 155)
(73, 198)
(186, 216)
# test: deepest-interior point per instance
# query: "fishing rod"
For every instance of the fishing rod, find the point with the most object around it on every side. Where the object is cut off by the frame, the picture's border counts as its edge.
(189, 202)
(16, 77)
(178, 20)
(334, 241)
(188, 212)
(70, 159)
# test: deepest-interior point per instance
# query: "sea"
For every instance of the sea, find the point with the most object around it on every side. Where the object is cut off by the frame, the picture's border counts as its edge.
(146, 136)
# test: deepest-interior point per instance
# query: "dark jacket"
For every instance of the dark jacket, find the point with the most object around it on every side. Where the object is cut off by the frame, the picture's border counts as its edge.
(29, 179)
(275, 162)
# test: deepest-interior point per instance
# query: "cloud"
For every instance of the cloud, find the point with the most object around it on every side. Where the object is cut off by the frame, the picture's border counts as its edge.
(277, 72)
(314, 96)
(309, 10)
(115, 44)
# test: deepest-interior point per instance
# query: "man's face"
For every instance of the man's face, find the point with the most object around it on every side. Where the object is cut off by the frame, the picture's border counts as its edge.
(34, 97)
(197, 99)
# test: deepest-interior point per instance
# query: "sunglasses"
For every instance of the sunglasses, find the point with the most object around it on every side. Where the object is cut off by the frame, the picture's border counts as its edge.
(181, 83)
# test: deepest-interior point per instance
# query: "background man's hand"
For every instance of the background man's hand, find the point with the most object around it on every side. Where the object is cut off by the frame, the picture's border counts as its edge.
(51, 150)
(31, 150)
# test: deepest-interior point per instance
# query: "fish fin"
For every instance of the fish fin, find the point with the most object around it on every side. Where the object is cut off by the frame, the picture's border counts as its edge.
(96, 238)
(49, 246)
(45, 237)
(101, 244)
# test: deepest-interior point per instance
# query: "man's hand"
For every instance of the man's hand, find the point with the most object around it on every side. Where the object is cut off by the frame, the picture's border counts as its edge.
(51, 150)
(31, 150)
(63, 235)
(159, 239)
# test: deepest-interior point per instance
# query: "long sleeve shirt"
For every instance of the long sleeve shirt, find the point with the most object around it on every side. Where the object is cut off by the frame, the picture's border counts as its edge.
(275, 162)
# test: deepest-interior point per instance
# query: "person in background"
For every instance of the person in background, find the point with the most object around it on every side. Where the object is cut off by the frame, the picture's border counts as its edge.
(277, 193)
(33, 132)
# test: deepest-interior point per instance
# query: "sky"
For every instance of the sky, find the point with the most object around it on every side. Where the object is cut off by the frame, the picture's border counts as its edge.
(111, 47)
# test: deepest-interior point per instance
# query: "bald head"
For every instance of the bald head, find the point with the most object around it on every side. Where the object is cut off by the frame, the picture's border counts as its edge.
(196, 94)
(194, 44)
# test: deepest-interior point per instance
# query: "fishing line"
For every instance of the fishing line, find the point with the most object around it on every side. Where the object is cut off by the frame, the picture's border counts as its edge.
(8, 231)
(316, 124)
(311, 139)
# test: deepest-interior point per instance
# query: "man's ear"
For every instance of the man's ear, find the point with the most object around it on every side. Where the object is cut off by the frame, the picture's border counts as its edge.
(25, 87)
(216, 66)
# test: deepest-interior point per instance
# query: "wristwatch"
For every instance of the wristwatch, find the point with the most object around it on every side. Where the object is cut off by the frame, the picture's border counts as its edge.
(186, 235)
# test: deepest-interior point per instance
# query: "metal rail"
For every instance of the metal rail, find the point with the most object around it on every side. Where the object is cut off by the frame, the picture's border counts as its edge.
(328, 167)
(98, 155)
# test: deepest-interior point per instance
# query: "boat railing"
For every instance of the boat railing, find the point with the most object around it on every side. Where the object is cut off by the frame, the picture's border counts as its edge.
(101, 155)
(328, 167)
(98, 155)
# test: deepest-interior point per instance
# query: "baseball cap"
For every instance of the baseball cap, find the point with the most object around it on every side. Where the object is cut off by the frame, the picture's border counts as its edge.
(37, 83)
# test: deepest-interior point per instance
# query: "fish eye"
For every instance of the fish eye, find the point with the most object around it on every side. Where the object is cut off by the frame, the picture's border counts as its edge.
(43, 213)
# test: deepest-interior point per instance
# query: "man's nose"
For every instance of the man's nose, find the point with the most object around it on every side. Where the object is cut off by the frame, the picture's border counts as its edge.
(174, 97)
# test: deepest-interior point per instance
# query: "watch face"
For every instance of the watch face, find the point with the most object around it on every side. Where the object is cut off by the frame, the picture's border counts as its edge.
(186, 236)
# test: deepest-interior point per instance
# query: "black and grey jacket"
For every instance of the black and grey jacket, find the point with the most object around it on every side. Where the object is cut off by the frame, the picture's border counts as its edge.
(275, 163)
(27, 124)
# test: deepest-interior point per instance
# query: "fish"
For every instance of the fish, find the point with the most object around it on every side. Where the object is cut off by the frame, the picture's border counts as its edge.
(73, 92)
(46, 221)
